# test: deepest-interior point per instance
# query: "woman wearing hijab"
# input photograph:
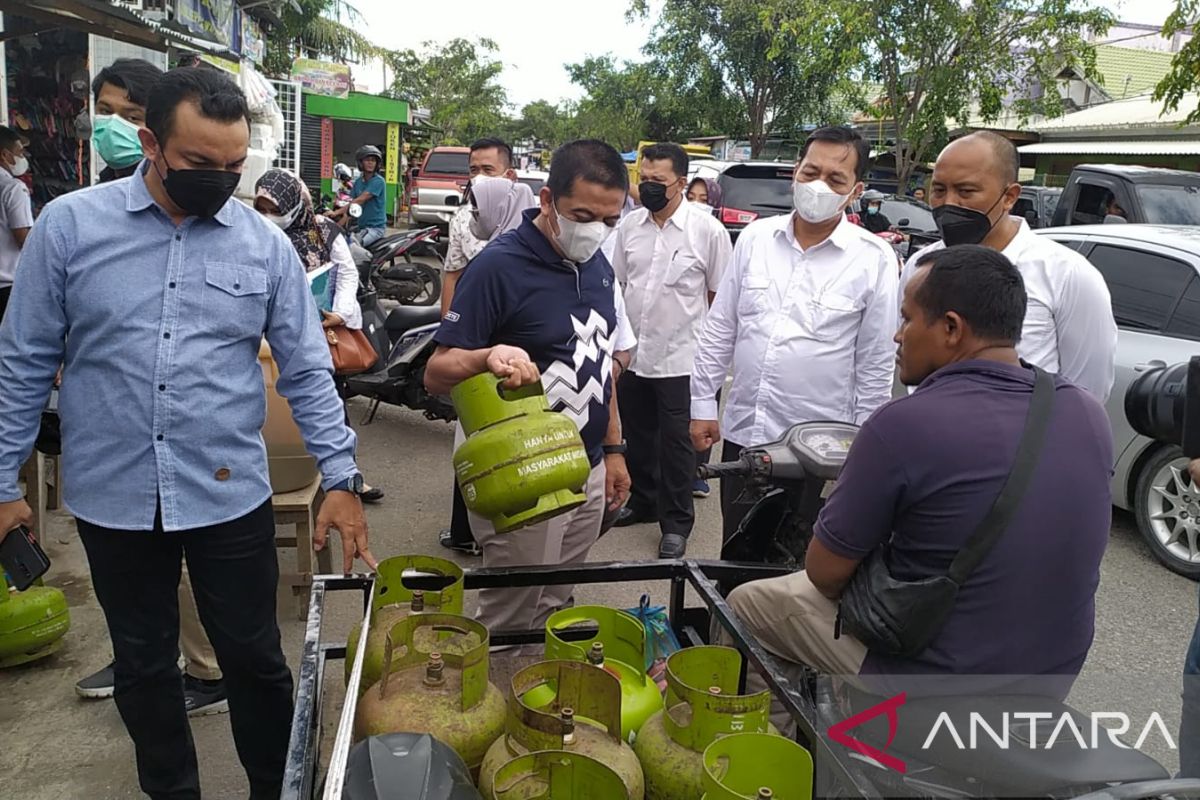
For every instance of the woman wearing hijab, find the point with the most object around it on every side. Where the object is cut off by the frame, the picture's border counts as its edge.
(284, 200)
(705, 191)
(497, 205)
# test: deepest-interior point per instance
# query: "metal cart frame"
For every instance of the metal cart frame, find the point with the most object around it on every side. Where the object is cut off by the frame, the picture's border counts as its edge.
(304, 750)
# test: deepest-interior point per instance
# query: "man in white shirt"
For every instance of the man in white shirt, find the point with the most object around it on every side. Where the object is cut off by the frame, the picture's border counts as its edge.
(669, 258)
(16, 209)
(1069, 327)
(805, 316)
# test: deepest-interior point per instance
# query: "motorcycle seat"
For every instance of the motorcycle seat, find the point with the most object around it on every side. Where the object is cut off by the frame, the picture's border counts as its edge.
(405, 318)
(1021, 768)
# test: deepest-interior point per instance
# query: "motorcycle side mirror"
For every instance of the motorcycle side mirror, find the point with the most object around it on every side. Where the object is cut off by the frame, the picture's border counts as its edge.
(903, 222)
(355, 210)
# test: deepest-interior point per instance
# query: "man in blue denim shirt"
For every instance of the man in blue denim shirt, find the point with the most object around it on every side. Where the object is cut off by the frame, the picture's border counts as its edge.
(154, 292)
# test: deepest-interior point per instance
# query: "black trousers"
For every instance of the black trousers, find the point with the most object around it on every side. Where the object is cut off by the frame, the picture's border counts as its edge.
(732, 512)
(460, 524)
(5, 292)
(235, 574)
(656, 414)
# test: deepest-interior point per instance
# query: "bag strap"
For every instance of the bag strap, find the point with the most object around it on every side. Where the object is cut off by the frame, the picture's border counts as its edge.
(1029, 452)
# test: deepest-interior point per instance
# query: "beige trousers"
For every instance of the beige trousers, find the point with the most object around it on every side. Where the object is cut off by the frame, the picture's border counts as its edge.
(199, 659)
(563, 540)
(794, 621)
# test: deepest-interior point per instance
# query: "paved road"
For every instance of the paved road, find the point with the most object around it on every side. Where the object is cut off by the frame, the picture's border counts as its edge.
(57, 745)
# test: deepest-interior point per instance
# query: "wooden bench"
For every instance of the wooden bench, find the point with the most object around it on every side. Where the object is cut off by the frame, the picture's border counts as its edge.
(35, 480)
(299, 509)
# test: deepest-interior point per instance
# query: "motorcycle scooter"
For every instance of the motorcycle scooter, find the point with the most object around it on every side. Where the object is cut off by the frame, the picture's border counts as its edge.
(787, 479)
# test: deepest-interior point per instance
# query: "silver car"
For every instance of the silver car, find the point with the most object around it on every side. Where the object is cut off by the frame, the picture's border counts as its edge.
(1153, 274)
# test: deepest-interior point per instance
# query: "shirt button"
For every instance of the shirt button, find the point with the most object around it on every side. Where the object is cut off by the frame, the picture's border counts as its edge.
(178, 236)
(171, 285)
(237, 286)
(159, 437)
(162, 387)
(222, 474)
(166, 336)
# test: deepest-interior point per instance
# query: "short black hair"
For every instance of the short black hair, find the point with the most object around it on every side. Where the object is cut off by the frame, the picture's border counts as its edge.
(665, 151)
(590, 160)
(1008, 163)
(492, 143)
(217, 97)
(135, 75)
(841, 134)
(980, 285)
(9, 137)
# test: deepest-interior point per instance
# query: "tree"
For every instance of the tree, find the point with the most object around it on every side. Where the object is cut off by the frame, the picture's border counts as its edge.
(942, 59)
(755, 65)
(1184, 76)
(544, 122)
(457, 82)
(317, 30)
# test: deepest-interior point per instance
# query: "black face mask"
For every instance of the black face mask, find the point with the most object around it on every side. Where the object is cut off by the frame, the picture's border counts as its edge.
(200, 192)
(959, 225)
(653, 195)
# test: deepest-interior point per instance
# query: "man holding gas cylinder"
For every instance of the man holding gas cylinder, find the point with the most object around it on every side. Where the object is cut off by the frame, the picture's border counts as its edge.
(539, 304)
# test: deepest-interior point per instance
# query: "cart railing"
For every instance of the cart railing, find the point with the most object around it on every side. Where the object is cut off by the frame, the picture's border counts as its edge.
(690, 625)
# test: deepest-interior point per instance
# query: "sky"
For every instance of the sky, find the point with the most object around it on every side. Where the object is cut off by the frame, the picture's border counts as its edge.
(536, 39)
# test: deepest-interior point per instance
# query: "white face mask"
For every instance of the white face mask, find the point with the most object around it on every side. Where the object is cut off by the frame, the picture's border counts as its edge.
(284, 221)
(815, 202)
(20, 166)
(579, 241)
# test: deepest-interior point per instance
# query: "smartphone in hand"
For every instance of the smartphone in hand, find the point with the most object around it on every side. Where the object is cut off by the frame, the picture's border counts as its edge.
(23, 558)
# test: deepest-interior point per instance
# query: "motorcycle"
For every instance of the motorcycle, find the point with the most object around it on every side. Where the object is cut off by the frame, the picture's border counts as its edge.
(786, 480)
(396, 276)
(403, 338)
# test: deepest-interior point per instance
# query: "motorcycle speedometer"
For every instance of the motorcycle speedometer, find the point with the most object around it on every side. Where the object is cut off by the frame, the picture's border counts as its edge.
(828, 441)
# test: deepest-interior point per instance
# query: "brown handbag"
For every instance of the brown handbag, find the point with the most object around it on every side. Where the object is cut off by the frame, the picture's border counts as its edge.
(351, 350)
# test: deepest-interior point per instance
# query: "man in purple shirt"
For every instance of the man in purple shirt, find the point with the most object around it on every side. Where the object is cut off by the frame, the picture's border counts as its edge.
(923, 472)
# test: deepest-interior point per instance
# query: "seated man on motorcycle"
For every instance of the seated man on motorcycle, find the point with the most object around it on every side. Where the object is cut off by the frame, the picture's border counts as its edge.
(925, 470)
(369, 192)
(873, 218)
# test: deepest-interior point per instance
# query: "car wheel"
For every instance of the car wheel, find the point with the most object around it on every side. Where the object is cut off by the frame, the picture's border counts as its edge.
(1167, 507)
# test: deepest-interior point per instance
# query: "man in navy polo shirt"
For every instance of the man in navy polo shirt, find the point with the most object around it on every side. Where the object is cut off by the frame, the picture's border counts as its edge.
(923, 472)
(538, 304)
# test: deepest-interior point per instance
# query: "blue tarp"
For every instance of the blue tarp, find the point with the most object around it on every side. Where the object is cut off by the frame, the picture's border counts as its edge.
(631, 156)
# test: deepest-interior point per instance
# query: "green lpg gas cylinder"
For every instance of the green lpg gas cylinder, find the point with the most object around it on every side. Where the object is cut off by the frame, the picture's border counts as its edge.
(757, 766)
(392, 601)
(557, 775)
(521, 463)
(32, 623)
(444, 693)
(583, 716)
(702, 704)
(618, 646)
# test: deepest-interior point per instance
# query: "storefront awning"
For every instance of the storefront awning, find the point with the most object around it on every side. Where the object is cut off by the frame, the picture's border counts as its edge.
(1108, 147)
(103, 18)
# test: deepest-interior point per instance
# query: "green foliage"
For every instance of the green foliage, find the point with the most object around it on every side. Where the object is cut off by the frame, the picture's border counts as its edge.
(1184, 77)
(458, 83)
(318, 32)
(942, 59)
(755, 66)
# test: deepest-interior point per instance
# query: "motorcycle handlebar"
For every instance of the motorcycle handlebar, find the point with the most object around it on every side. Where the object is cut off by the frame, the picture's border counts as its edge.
(725, 469)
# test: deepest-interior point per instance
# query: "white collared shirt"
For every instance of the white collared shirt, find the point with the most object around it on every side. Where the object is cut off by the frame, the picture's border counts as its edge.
(667, 274)
(1069, 327)
(808, 333)
(16, 212)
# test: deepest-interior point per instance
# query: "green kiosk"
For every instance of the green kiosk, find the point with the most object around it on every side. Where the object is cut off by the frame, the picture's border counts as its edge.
(333, 128)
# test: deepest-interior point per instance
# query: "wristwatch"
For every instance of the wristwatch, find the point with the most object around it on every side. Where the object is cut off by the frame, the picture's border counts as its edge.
(354, 485)
(615, 449)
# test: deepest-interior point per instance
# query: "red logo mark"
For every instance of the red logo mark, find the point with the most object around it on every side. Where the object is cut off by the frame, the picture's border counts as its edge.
(838, 732)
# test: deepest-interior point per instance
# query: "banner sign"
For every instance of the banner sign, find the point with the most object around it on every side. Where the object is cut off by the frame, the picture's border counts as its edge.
(326, 148)
(322, 77)
(391, 162)
(254, 46)
(218, 20)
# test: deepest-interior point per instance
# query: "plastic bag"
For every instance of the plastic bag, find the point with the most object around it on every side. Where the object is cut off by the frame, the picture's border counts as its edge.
(661, 641)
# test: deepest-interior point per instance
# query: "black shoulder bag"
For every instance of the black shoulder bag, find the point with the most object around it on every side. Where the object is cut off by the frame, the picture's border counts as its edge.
(901, 618)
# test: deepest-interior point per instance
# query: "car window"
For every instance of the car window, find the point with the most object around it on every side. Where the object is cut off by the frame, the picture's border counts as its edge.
(1021, 209)
(765, 190)
(535, 184)
(448, 163)
(1185, 321)
(1090, 205)
(1050, 201)
(1170, 205)
(1145, 287)
(918, 218)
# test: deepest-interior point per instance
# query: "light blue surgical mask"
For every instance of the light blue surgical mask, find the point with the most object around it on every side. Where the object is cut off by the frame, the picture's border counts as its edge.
(116, 140)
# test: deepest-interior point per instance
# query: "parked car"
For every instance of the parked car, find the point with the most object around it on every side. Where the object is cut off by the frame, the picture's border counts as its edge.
(749, 189)
(435, 189)
(1153, 274)
(534, 179)
(1037, 205)
(1144, 194)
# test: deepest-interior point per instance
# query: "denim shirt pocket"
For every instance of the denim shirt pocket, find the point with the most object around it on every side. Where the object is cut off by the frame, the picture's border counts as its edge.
(235, 300)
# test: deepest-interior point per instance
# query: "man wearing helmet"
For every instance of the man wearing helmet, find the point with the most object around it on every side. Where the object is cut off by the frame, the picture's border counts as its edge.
(873, 218)
(369, 192)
